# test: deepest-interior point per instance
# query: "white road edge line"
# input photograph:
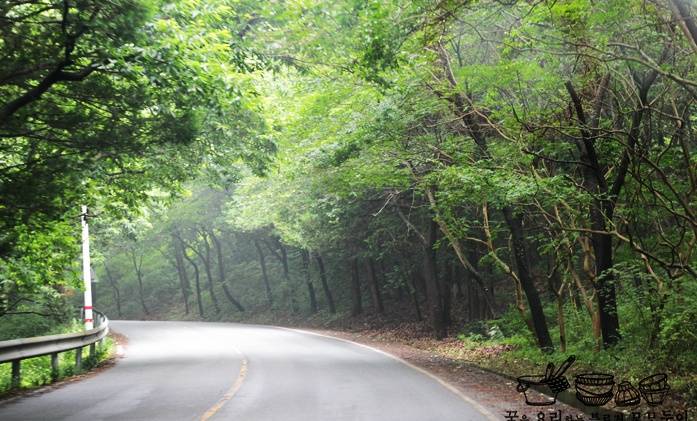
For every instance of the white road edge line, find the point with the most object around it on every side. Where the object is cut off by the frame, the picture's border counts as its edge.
(232, 391)
(490, 415)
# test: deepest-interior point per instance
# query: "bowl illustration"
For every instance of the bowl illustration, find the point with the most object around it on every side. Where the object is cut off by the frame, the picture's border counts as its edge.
(654, 388)
(594, 389)
(589, 398)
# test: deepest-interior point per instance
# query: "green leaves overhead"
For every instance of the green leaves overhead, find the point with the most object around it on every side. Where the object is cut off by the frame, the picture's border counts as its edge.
(107, 103)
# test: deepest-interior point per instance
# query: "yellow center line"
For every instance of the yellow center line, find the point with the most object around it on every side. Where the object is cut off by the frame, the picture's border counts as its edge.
(230, 393)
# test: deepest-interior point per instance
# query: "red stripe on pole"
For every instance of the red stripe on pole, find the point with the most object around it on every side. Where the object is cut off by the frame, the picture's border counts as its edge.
(88, 307)
(88, 320)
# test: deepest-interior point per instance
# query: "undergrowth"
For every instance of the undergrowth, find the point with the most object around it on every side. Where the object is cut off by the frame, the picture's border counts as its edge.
(506, 345)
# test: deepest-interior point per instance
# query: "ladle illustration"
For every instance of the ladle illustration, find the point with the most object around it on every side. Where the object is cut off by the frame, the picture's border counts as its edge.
(551, 383)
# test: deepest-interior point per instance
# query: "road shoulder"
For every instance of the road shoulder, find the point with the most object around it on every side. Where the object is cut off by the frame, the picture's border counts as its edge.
(495, 393)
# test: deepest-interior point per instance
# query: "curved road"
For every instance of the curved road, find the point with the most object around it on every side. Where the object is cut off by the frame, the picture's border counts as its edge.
(221, 371)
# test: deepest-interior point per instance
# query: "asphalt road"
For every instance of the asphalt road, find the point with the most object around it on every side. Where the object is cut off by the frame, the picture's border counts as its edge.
(200, 371)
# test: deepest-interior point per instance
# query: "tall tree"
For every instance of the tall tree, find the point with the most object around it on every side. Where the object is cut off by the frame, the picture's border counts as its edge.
(356, 299)
(312, 297)
(181, 271)
(325, 285)
(137, 261)
(264, 274)
(221, 272)
(205, 258)
(113, 283)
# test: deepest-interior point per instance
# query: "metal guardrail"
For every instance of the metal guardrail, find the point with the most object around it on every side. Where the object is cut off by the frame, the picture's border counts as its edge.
(16, 350)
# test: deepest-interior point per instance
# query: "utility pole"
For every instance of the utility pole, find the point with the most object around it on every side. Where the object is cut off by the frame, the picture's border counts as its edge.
(86, 269)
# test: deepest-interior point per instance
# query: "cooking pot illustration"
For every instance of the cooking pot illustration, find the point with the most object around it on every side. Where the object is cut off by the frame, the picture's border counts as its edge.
(627, 395)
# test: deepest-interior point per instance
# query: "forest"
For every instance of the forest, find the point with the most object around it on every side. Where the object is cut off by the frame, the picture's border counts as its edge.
(520, 173)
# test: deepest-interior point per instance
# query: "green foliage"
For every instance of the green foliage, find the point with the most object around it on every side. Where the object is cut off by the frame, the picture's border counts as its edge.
(110, 105)
(46, 313)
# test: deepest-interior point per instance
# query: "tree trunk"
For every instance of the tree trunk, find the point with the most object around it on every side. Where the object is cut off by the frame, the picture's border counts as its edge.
(308, 280)
(232, 299)
(115, 287)
(588, 299)
(289, 291)
(419, 282)
(284, 261)
(325, 284)
(447, 291)
(457, 280)
(291, 286)
(605, 285)
(414, 294)
(434, 297)
(374, 287)
(557, 287)
(604, 197)
(206, 260)
(469, 296)
(137, 265)
(265, 277)
(221, 272)
(515, 224)
(356, 301)
(181, 271)
(562, 323)
(459, 252)
(197, 279)
(479, 311)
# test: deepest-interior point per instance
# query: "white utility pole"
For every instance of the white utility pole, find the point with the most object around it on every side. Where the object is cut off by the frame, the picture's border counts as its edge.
(86, 270)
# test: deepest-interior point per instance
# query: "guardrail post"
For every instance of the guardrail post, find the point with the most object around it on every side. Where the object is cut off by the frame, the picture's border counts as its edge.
(54, 366)
(16, 376)
(92, 350)
(78, 359)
